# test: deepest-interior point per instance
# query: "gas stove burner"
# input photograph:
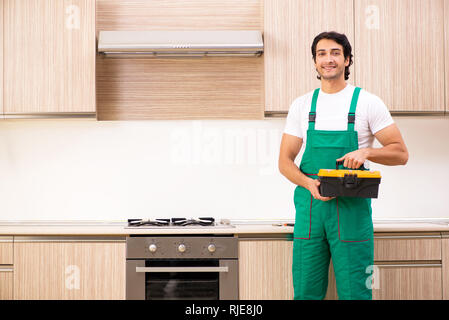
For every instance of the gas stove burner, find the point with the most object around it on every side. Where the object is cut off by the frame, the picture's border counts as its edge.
(148, 222)
(173, 222)
(208, 221)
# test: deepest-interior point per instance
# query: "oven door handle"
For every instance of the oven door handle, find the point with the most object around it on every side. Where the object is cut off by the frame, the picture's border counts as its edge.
(182, 269)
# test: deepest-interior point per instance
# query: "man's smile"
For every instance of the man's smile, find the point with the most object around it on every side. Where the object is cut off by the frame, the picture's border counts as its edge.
(329, 68)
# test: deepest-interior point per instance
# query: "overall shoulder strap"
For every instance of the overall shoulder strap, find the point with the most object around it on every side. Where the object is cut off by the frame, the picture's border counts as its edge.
(351, 114)
(312, 113)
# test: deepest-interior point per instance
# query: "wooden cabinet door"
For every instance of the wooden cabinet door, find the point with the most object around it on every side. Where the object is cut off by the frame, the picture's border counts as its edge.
(6, 267)
(6, 282)
(445, 259)
(66, 268)
(408, 266)
(399, 52)
(171, 89)
(265, 270)
(407, 247)
(289, 29)
(49, 56)
(6, 250)
(408, 282)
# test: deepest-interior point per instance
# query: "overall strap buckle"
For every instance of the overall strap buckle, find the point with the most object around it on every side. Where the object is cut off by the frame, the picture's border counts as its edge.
(312, 116)
(351, 114)
(351, 118)
(312, 113)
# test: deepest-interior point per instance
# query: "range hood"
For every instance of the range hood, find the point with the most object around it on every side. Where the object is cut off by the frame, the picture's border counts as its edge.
(154, 44)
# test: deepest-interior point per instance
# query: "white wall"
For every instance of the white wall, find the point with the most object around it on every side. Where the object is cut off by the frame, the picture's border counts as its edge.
(88, 170)
(421, 188)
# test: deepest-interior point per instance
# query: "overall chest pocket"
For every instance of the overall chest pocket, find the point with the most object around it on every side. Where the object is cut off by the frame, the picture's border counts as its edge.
(333, 139)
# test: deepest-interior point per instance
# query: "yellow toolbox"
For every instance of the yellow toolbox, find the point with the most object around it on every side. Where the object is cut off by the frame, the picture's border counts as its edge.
(349, 183)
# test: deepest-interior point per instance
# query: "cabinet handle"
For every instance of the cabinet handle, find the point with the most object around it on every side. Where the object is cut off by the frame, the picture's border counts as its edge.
(407, 237)
(182, 269)
(51, 115)
(409, 265)
(6, 269)
(80, 238)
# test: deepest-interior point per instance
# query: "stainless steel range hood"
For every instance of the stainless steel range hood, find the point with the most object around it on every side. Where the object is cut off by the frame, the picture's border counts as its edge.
(154, 44)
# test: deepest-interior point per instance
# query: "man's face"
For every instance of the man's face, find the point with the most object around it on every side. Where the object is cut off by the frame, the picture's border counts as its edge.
(330, 60)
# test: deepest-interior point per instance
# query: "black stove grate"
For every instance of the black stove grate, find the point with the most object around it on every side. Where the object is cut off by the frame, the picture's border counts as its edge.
(179, 222)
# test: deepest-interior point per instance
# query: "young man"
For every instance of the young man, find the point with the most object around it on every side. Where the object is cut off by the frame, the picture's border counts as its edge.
(336, 122)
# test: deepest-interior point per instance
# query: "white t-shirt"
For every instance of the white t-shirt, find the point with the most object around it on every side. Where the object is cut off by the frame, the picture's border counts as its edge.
(371, 115)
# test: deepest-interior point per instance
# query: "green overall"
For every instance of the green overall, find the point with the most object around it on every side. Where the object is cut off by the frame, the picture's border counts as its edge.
(341, 228)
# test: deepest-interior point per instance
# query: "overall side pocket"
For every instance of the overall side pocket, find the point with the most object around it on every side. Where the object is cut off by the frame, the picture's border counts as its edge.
(355, 222)
(303, 219)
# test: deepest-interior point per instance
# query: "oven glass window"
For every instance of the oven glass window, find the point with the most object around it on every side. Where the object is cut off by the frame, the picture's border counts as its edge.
(182, 285)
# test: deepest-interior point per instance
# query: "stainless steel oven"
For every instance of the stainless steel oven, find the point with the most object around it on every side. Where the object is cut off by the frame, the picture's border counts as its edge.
(188, 267)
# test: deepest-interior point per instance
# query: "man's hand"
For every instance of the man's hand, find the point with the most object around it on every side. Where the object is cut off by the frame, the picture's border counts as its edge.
(312, 186)
(355, 159)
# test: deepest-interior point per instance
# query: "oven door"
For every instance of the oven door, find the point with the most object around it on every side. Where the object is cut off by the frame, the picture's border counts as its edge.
(182, 279)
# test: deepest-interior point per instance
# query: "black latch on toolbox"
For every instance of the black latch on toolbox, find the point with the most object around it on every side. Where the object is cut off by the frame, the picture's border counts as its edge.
(350, 181)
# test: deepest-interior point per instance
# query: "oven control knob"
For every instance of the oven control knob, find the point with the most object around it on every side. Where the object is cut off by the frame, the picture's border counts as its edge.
(182, 248)
(152, 247)
(211, 248)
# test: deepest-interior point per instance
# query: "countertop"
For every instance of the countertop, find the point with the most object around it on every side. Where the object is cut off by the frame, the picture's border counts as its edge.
(119, 228)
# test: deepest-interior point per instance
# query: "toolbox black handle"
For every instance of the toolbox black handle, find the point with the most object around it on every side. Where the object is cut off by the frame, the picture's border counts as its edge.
(340, 163)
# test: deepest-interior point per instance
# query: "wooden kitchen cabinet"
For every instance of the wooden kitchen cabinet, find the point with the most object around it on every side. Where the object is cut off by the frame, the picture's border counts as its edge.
(407, 247)
(69, 268)
(408, 281)
(399, 52)
(445, 263)
(6, 250)
(6, 282)
(6, 267)
(408, 266)
(289, 29)
(49, 56)
(181, 88)
(265, 269)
